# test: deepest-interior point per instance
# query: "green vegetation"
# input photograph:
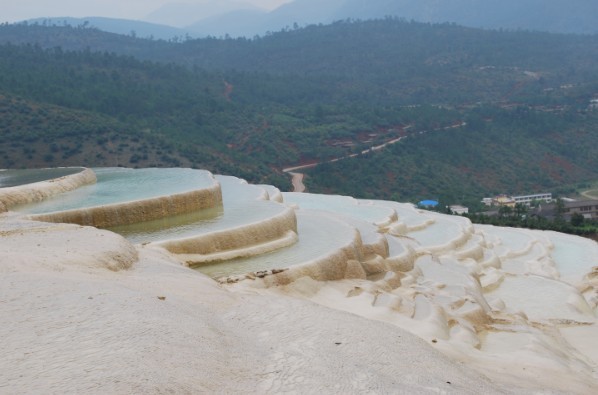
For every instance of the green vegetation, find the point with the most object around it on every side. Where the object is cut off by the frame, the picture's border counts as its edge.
(577, 226)
(480, 112)
(588, 190)
(515, 150)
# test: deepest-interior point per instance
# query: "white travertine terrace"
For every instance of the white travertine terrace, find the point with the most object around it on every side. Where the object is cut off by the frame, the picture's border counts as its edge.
(274, 193)
(466, 289)
(154, 207)
(137, 211)
(514, 310)
(248, 239)
(36, 192)
(251, 224)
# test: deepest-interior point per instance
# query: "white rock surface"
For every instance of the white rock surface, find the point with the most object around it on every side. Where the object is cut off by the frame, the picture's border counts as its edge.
(70, 324)
(405, 301)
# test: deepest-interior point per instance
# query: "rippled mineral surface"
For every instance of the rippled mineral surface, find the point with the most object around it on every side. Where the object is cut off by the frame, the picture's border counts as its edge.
(513, 305)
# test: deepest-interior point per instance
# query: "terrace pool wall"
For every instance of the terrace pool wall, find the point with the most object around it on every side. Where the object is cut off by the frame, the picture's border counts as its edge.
(16, 195)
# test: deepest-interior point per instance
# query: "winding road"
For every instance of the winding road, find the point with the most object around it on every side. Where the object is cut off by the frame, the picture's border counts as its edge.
(297, 178)
(297, 181)
(591, 194)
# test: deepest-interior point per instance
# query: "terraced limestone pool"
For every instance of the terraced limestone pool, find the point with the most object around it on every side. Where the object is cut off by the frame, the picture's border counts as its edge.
(16, 177)
(325, 225)
(345, 205)
(442, 231)
(117, 185)
(242, 204)
(319, 235)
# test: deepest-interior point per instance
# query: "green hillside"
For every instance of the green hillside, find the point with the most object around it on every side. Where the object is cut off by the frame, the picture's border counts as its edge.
(253, 107)
(517, 151)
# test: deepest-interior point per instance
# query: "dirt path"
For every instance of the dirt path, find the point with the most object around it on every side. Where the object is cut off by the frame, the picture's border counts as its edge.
(591, 194)
(297, 178)
(297, 181)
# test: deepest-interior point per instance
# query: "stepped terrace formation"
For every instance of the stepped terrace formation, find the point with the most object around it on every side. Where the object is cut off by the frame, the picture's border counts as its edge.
(190, 282)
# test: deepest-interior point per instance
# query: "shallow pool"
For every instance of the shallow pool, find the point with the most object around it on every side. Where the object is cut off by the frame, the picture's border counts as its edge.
(319, 235)
(11, 178)
(242, 204)
(118, 185)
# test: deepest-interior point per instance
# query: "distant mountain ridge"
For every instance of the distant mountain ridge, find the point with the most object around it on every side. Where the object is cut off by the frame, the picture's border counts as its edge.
(239, 19)
(185, 14)
(558, 16)
(118, 26)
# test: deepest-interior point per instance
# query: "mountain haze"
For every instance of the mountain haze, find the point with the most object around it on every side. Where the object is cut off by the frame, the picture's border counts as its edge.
(242, 19)
(117, 26)
(185, 14)
(562, 16)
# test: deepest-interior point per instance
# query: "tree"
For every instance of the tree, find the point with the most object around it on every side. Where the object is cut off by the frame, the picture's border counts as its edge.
(520, 209)
(577, 219)
(559, 210)
(505, 211)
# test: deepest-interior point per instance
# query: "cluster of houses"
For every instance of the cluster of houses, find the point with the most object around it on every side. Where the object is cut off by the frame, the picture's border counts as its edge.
(511, 201)
(545, 206)
(539, 204)
(587, 208)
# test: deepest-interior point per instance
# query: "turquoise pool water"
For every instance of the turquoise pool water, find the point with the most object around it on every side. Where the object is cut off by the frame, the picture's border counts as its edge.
(319, 235)
(118, 185)
(242, 204)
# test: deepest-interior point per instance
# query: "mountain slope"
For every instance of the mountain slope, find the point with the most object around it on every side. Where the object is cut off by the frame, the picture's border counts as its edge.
(254, 107)
(518, 151)
(386, 60)
(563, 16)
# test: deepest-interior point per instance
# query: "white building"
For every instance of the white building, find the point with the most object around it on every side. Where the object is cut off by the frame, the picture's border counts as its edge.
(527, 199)
(487, 201)
(456, 209)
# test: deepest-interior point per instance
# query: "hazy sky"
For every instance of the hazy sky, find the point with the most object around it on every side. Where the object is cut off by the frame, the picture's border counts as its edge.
(18, 10)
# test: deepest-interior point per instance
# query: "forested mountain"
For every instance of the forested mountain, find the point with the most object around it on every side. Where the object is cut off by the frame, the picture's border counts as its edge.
(387, 59)
(479, 111)
(136, 113)
(559, 16)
